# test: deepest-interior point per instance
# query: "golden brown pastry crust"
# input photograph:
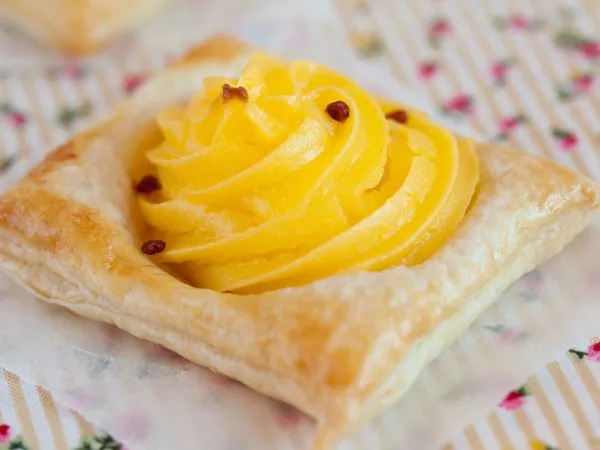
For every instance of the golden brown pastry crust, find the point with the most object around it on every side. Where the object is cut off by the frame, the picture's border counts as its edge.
(340, 349)
(77, 27)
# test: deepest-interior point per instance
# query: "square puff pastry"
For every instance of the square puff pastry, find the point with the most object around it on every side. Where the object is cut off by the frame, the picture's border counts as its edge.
(341, 349)
(77, 27)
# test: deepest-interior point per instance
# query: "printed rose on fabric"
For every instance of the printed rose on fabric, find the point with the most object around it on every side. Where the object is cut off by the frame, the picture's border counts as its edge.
(71, 71)
(515, 399)
(17, 119)
(567, 140)
(582, 82)
(14, 117)
(4, 433)
(510, 335)
(507, 334)
(68, 115)
(133, 81)
(578, 84)
(571, 40)
(591, 50)
(499, 71)
(427, 70)
(367, 44)
(517, 21)
(509, 124)
(437, 30)
(14, 443)
(459, 105)
(533, 283)
(593, 352)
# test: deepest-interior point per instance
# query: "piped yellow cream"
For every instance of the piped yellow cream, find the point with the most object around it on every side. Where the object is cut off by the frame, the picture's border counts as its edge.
(293, 173)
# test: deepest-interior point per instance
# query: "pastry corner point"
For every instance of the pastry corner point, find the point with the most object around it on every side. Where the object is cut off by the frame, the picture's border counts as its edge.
(217, 47)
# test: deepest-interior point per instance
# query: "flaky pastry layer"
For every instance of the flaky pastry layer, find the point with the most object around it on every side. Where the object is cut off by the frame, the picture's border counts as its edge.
(341, 349)
(77, 27)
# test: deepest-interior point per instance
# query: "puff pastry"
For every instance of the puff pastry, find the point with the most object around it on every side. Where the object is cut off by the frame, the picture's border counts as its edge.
(77, 27)
(341, 349)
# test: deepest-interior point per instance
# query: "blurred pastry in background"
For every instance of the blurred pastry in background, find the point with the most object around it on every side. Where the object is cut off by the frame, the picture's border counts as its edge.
(77, 27)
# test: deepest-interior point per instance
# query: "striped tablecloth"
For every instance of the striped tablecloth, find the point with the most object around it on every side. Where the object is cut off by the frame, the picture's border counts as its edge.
(520, 71)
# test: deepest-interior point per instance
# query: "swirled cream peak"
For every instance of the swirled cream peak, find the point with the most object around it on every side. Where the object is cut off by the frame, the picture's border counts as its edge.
(266, 183)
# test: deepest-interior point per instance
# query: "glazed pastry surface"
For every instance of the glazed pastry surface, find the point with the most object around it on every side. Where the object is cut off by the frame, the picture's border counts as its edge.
(341, 349)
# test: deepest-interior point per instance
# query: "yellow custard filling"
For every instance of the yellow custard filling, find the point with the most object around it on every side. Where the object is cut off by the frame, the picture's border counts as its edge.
(293, 173)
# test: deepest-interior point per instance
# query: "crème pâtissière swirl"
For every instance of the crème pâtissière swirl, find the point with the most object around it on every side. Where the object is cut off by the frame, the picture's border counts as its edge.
(293, 173)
